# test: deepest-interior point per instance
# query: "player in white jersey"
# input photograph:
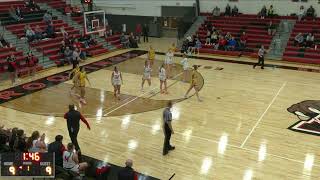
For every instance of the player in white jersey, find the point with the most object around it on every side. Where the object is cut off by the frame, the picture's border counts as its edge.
(168, 61)
(71, 160)
(116, 80)
(146, 74)
(185, 66)
(163, 79)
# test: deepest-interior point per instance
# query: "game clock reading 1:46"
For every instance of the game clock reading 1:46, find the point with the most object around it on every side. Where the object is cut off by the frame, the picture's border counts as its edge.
(27, 164)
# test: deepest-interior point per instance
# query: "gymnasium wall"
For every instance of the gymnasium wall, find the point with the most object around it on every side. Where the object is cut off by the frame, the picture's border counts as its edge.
(153, 7)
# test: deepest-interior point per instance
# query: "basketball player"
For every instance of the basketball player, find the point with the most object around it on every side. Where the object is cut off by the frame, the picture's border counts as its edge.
(151, 55)
(168, 62)
(81, 78)
(173, 47)
(193, 84)
(73, 75)
(116, 80)
(261, 54)
(146, 74)
(185, 65)
(163, 79)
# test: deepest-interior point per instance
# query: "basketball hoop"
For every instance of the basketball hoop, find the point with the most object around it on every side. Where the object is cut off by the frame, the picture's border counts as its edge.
(94, 22)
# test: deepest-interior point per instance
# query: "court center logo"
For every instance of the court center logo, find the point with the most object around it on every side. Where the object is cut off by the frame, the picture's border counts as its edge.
(309, 114)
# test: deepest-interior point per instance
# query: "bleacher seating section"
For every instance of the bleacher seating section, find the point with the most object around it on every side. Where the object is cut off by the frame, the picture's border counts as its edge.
(20, 59)
(49, 47)
(255, 28)
(301, 54)
(115, 41)
(29, 16)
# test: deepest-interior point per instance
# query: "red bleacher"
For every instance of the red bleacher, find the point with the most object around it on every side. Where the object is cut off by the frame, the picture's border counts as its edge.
(20, 59)
(51, 47)
(254, 27)
(115, 41)
(78, 19)
(301, 54)
(5, 6)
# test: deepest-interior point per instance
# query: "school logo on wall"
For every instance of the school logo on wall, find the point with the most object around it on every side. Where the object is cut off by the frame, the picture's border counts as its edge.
(309, 114)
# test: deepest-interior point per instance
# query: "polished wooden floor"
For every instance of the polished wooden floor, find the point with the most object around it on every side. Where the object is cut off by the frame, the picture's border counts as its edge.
(239, 131)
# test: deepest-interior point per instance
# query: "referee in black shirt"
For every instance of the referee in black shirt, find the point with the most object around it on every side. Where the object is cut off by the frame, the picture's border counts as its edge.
(167, 129)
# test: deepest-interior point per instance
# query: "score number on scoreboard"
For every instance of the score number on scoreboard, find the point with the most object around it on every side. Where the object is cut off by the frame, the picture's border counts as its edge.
(27, 164)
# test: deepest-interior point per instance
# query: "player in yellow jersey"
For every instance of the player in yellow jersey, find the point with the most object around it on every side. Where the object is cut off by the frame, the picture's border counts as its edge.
(194, 84)
(173, 47)
(81, 80)
(72, 76)
(151, 55)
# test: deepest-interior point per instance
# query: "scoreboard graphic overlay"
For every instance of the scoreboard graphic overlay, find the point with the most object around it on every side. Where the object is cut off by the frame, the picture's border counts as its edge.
(27, 164)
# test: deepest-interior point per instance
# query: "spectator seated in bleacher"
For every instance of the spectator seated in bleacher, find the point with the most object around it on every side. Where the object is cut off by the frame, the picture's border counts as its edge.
(127, 173)
(19, 143)
(12, 138)
(108, 32)
(235, 11)
(67, 10)
(76, 57)
(299, 40)
(87, 40)
(3, 42)
(38, 33)
(18, 12)
(310, 40)
(222, 43)
(36, 142)
(243, 40)
(71, 160)
(232, 44)
(57, 148)
(4, 140)
(191, 45)
(184, 47)
(263, 12)
(62, 47)
(271, 29)
(133, 41)
(69, 40)
(227, 11)
(301, 13)
(68, 55)
(30, 34)
(50, 32)
(311, 12)
(208, 38)
(124, 41)
(228, 36)
(32, 6)
(13, 14)
(78, 45)
(214, 38)
(270, 12)
(47, 18)
(63, 32)
(76, 11)
(198, 45)
(216, 11)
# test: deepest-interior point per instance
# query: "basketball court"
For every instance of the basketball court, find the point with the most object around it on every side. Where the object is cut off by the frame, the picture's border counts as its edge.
(241, 130)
